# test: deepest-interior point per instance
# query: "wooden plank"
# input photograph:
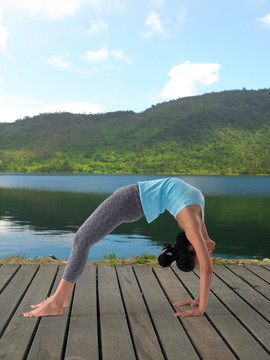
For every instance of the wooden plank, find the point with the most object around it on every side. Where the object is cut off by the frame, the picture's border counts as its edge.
(7, 271)
(172, 336)
(13, 293)
(82, 341)
(115, 336)
(143, 334)
(253, 280)
(249, 317)
(251, 296)
(236, 336)
(50, 335)
(16, 339)
(260, 271)
(206, 340)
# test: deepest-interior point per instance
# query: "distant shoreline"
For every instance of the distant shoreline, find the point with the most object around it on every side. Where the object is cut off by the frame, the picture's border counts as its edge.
(112, 260)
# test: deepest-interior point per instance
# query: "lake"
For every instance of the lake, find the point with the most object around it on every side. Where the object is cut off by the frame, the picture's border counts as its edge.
(40, 213)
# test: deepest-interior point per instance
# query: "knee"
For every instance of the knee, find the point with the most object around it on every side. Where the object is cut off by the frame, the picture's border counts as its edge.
(79, 241)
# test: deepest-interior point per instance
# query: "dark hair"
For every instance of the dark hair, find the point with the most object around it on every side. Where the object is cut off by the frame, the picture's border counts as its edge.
(180, 253)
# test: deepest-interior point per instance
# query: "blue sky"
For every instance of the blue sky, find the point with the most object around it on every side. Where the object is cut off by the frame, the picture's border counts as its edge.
(106, 55)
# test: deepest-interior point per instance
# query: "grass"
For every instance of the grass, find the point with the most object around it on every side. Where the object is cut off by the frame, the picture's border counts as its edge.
(113, 260)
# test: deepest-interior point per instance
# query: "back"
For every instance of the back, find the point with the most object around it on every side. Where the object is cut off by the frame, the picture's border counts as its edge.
(161, 194)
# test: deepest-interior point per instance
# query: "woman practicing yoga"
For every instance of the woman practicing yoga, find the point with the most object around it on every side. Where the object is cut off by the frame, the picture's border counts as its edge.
(149, 198)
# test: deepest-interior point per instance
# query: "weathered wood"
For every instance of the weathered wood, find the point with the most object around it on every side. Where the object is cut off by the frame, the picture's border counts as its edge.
(7, 271)
(251, 296)
(82, 341)
(13, 293)
(115, 337)
(253, 280)
(261, 271)
(17, 337)
(143, 334)
(203, 336)
(236, 336)
(249, 317)
(126, 312)
(172, 336)
(49, 338)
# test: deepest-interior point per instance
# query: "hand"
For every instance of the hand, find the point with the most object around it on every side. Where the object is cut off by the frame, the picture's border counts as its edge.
(188, 303)
(196, 312)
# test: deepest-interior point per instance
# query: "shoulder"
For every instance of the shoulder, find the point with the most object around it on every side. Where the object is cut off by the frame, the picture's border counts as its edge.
(190, 217)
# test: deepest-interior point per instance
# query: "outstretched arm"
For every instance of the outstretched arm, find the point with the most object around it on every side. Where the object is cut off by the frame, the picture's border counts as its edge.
(195, 236)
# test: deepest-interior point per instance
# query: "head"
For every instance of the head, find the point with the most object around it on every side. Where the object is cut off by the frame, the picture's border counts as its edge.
(182, 253)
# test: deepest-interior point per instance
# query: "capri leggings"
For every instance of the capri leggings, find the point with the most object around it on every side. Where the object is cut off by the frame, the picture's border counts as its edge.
(124, 205)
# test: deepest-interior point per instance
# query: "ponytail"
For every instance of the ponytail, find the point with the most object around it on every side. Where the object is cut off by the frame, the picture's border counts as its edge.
(167, 256)
(180, 252)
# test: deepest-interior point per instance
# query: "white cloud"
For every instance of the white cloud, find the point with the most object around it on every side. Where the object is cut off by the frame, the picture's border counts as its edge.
(17, 107)
(3, 38)
(96, 56)
(53, 9)
(58, 61)
(158, 3)
(185, 79)
(57, 9)
(104, 54)
(97, 29)
(265, 20)
(153, 26)
(75, 107)
(119, 55)
(107, 5)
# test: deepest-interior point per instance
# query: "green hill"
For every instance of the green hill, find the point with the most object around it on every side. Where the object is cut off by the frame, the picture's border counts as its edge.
(217, 133)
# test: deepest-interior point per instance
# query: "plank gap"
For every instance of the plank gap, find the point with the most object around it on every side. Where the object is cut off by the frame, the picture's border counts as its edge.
(238, 318)
(150, 316)
(18, 302)
(206, 316)
(215, 327)
(9, 279)
(242, 297)
(250, 282)
(126, 315)
(179, 318)
(62, 357)
(98, 317)
(253, 271)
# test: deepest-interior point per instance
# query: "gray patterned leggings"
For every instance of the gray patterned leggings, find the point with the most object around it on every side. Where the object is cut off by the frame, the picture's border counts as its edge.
(124, 205)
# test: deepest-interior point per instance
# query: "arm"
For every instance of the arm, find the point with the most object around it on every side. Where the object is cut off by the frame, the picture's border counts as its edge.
(196, 238)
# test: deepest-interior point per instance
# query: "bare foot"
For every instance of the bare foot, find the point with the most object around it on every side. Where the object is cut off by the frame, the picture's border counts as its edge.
(38, 305)
(48, 307)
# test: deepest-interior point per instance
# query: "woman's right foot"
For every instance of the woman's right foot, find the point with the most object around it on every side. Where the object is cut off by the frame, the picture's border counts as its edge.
(48, 307)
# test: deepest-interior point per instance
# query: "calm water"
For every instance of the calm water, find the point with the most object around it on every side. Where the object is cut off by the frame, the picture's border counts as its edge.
(39, 215)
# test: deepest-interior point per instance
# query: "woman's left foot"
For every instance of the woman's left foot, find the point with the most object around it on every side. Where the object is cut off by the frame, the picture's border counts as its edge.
(48, 307)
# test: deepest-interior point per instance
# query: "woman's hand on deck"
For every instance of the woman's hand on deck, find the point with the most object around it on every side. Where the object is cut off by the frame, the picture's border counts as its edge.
(188, 303)
(195, 312)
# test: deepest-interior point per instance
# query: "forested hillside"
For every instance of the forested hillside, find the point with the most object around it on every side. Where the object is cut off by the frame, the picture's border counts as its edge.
(217, 133)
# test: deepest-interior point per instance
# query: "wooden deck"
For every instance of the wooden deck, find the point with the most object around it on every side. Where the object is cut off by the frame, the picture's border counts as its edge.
(126, 313)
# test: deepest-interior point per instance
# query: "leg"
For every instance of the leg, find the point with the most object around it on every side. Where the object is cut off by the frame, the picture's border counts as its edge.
(122, 206)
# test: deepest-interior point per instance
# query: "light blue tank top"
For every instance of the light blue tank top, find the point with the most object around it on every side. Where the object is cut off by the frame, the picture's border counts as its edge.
(170, 194)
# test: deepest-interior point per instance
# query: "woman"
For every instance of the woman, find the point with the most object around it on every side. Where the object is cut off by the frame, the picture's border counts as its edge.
(128, 204)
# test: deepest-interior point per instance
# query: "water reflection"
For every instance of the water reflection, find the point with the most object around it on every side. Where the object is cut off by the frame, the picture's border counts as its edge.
(104, 184)
(39, 223)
